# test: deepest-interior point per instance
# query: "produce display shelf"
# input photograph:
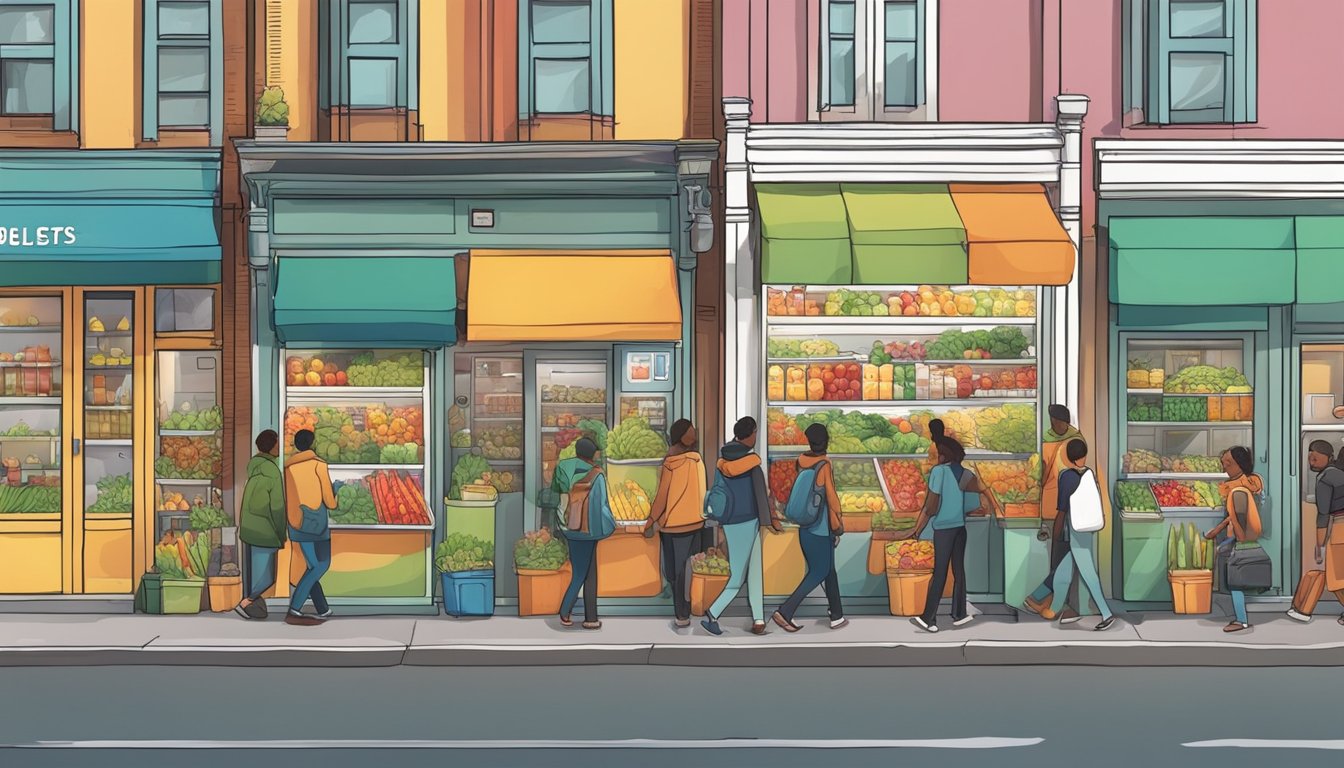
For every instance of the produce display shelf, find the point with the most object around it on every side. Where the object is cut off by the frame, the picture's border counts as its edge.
(378, 527)
(1144, 391)
(189, 432)
(353, 393)
(107, 515)
(375, 467)
(880, 404)
(1323, 427)
(110, 368)
(496, 419)
(976, 362)
(553, 404)
(1175, 476)
(852, 358)
(172, 481)
(29, 438)
(870, 325)
(108, 442)
(1178, 510)
(30, 401)
(1189, 424)
(509, 462)
(1165, 393)
(35, 468)
(1139, 516)
(30, 329)
(26, 364)
(113, 334)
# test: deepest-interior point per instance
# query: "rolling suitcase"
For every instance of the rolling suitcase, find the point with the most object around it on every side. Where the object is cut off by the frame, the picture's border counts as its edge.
(1308, 592)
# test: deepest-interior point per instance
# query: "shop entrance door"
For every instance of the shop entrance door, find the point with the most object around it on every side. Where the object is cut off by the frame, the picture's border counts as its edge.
(566, 389)
(1322, 418)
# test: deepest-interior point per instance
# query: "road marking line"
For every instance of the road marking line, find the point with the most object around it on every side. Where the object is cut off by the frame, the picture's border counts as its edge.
(984, 742)
(1335, 745)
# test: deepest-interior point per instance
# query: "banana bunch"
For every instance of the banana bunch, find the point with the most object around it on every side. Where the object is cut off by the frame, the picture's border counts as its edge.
(629, 502)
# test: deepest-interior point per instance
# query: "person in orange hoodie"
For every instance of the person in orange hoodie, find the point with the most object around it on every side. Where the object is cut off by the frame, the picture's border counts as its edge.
(678, 511)
(818, 540)
(309, 500)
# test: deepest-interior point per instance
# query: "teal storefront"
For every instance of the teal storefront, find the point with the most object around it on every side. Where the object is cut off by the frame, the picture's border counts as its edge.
(1226, 327)
(431, 308)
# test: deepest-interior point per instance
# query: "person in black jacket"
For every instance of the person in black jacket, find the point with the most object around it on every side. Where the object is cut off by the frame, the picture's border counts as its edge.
(748, 512)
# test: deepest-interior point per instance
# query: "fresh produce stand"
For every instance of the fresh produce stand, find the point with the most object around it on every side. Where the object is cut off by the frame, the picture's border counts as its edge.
(875, 366)
(369, 412)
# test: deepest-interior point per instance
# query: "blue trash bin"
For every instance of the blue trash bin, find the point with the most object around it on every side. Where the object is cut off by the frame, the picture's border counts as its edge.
(469, 593)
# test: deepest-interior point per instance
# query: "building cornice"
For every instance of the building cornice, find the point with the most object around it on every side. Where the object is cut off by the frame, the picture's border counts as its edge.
(1231, 169)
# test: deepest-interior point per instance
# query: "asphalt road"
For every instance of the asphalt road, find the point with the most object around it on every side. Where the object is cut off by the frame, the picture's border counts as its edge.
(407, 716)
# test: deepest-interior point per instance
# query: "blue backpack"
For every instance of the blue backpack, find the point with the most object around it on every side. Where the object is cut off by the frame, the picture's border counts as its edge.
(806, 500)
(719, 499)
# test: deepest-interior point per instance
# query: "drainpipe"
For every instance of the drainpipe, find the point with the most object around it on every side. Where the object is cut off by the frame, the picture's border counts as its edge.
(1070, 109)
(265, 377)
(741, 370)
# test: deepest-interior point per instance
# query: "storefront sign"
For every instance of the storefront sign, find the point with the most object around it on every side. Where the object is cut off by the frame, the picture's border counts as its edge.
(482, 219)
(41, 237)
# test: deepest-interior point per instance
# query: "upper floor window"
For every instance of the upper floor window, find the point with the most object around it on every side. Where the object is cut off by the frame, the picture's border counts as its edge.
(565, 53)
(1190, 61)
(183, 68)
(37, 62)
(370, 63)
(877, 60)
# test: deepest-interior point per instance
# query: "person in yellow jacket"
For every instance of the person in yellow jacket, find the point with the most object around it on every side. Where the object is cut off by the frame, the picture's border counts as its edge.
(678, 511)
(309, 501)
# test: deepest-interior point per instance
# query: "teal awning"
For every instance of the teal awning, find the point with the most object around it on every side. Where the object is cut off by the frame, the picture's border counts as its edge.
(1203, 261)
(1320, 259)
(389, 301)
(109, 242)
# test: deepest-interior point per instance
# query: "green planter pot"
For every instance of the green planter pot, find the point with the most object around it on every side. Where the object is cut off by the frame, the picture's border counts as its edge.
(182, 595)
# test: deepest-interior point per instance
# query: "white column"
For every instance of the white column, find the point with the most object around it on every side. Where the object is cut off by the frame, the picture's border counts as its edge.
(1070, 111)
(741, 368)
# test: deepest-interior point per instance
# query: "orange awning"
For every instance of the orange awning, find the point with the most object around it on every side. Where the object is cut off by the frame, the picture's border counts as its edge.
(573, 296)
(1013, 237)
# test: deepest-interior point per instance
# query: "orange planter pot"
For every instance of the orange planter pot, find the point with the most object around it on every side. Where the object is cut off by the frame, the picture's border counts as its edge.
(1191, 591)
(857, 523)
(705, 589)
(627, 565)
(782, 561)
(540, 592)
(907, 591)
(225, 592)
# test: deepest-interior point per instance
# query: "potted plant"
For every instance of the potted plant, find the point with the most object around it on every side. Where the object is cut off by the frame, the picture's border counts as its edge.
(182, 563)
(1190, 569)
(272, 122)
(709, 577)
(541, 561)
(468, 569)
(909, 570)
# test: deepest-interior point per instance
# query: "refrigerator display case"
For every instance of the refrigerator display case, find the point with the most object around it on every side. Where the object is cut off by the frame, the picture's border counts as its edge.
(188, 470)
(109, 351)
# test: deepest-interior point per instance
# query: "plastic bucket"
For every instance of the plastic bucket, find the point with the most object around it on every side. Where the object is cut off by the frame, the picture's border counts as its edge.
(469, 593)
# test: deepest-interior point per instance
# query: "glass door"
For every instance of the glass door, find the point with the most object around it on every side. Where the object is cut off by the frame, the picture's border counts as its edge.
(188, 467)
(1322, 381)
(571, 400)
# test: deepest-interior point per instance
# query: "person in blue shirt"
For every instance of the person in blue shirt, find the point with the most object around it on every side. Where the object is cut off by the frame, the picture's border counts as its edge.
(953, 489)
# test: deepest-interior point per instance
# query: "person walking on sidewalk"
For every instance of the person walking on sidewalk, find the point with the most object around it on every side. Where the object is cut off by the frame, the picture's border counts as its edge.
(586, 519)
(309, 501)
(1053, 463)
(1079, 510)
(814, 505)
(1242, 523)
(262, 523)
(1329, 526)
(954, 492)
(748, 511)
(678, 510)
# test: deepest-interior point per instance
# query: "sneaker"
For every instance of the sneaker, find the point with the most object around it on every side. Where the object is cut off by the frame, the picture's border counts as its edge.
(1069, 616)
(592, 625)
(785, 624)
(919, 622)
(758, 628)
(258, 609)
(244, 612)
(1296, 615)
(1038, 607)
(565, 621)
(325, 614)
(299, 620)
(711, 626)
(682, 623)
(839, 623)
(1104, 625)
(963, 621)
(1236, 626)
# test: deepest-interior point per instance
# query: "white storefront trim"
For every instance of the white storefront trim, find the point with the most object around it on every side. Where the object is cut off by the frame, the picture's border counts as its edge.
(1219, 169)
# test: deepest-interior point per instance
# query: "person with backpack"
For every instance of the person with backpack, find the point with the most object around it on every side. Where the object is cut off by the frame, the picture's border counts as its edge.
(1329, 531)
(678, 511)
(1247, 566)
(1055, 462)
(954, 492)
(1080, 513)
(814, 507)
(585, 520)
(738, 502)
(309, 502)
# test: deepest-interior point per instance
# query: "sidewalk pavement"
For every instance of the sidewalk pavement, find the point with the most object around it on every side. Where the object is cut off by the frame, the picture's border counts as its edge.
(225, 640)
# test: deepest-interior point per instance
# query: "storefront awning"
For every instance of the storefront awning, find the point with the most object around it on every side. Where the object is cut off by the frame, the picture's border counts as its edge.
(100, 242)
(573, 296)
(911, 234)
(375, 300)
(1012, 235)
(1320, 259)
(1202, 261)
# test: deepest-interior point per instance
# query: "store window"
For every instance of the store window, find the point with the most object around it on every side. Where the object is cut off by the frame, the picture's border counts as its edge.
(566, 57)
(183, 67)
(184, 310)
(877, 60)
(370, 64)
(188, 468)
(30, 405)
(37, 57)
(485, 422)
(1190, 61)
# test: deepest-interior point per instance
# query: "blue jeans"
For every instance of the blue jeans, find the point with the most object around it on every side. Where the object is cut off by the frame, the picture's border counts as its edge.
(819, 553)
(260, 570)
(1080, 557)
(317, 554)
(744, 566)
(583, 560)
(1239, 605)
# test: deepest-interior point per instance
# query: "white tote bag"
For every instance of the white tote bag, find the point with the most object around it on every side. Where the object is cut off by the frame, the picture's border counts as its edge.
(1085, 513)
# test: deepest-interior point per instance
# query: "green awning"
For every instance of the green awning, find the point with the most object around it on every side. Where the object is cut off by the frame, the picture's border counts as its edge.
(1320, 259)
(905, 234)
(1202, 261)
(389, 301)
(804, 234)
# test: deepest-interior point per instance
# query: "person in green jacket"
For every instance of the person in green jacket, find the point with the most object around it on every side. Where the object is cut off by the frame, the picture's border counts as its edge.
(263, 525)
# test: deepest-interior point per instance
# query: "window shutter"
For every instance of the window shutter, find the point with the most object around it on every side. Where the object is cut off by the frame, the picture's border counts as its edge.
(274, 54)
(1159, 54)
(1244, 60)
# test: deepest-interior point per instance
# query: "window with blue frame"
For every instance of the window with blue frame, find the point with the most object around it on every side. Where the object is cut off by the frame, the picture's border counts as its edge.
(370, 58)
(1190, 61)
(565, 58)
(38, 54)
(875, 58)
(183, 67)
